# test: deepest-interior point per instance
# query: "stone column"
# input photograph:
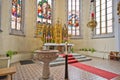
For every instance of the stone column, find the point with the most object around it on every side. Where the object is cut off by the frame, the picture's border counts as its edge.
(46, 71)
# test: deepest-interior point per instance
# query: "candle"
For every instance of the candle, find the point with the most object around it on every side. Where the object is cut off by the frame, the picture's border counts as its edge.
(65, 47)
(92, 14)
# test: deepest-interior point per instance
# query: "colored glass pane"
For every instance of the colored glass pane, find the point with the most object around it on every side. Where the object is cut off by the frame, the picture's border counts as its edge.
(16, 14)
(104, 17)
(73, 20)
(73, 17)
(44, 8)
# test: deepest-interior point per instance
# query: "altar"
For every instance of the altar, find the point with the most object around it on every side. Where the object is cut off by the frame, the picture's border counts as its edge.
(56, 46)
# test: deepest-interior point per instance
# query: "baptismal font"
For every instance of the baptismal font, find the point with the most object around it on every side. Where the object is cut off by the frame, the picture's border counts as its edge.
(46, 56)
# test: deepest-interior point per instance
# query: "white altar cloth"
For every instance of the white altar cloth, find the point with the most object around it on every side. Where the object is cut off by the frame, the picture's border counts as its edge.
(55, 46)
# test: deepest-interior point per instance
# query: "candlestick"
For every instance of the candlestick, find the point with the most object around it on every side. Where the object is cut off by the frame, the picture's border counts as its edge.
(66, 62)
(65, 47)
(66, 67)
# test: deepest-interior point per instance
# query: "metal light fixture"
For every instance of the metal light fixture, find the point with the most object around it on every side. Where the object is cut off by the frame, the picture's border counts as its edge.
(92, 23)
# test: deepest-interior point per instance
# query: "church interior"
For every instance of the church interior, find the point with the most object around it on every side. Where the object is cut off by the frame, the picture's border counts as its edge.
(59, 40)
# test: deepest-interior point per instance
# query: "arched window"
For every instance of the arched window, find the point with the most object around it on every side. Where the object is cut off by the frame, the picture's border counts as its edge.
(44, 11)
(17, 17)
(104, 18)
(73, 12)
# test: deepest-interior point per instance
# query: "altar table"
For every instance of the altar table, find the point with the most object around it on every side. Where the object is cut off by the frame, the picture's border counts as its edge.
(55, 46)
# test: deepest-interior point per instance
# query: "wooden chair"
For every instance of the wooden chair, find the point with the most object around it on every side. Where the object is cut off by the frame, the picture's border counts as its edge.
(114, 55)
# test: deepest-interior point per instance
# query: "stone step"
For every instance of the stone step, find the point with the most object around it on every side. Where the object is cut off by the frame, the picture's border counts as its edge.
(62, 62)
(84, 59)
(71, 58)
(76, 57)
(72, 61)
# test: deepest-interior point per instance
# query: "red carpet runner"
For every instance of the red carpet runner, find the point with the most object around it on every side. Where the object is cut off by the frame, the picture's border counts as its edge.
(106, 74)
(71, 59)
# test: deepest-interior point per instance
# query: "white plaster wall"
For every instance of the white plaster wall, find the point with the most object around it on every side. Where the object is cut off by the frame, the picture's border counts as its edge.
(56, 11)
(60, 11)
(29, 43)
(101, 45)
(1, 43)
(19, 43)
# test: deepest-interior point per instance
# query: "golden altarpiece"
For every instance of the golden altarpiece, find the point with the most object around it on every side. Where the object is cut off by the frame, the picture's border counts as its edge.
(53, 36)
(57, 33)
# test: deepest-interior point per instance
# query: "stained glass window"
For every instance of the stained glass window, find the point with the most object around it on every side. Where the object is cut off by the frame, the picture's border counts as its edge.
(16, 16)
(44, 11)
(104, 17)
(73, 17)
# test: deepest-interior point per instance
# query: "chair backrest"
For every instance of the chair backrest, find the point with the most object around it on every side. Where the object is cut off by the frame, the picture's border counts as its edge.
(4, 62)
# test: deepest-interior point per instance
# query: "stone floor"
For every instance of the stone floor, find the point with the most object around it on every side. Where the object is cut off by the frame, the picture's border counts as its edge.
(34, 71)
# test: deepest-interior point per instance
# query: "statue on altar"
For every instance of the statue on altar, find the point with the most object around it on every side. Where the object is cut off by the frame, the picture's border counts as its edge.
(57, 32)
(52, 33)
(65, 33)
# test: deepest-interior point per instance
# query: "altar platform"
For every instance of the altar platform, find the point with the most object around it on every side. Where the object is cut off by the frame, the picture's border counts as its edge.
(60, 47)
(72, 58)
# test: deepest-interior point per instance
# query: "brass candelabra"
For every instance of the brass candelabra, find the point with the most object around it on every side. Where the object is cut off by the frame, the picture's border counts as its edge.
(92, 24)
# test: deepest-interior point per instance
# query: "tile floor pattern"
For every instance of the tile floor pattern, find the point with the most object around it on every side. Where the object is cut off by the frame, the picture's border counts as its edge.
(34, 71)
